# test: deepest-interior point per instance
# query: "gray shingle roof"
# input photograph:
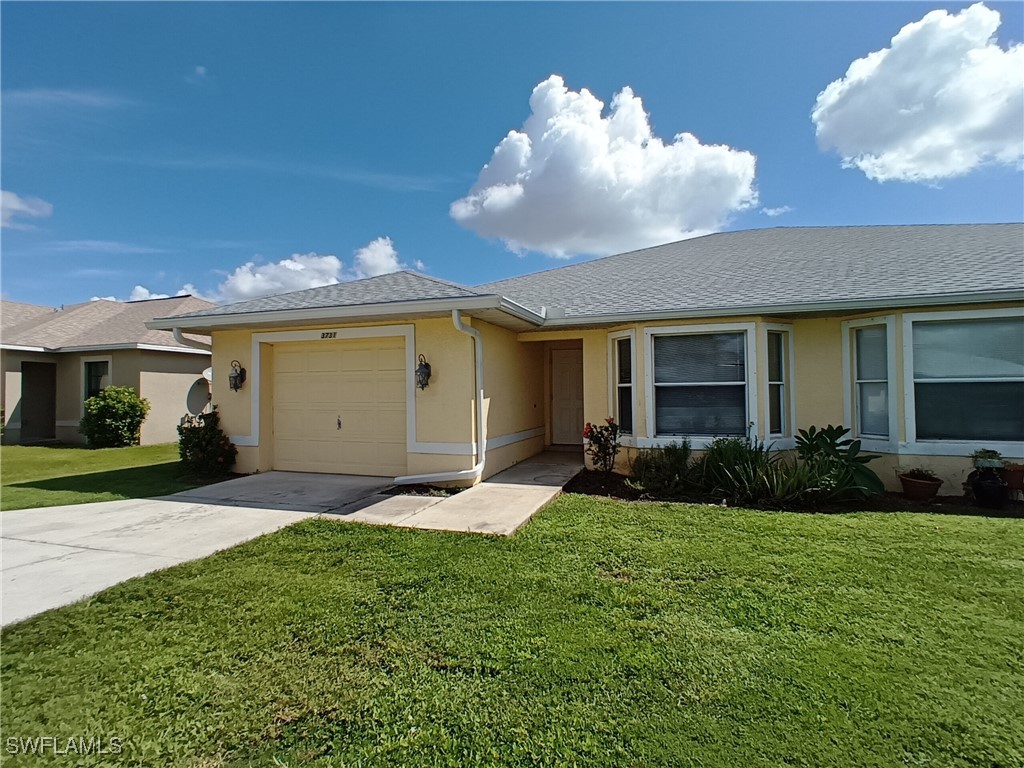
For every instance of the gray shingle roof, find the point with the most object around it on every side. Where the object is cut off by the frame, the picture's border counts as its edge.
(784, 266)
(383, 289)
(100, 324)
(14, 314)
(781, 267)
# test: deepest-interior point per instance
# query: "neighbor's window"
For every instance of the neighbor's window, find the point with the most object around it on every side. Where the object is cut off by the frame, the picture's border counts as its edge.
(96, 373)
(969, 379)
(778, 354)
(700, 385)
(871, 381)
(624, 383)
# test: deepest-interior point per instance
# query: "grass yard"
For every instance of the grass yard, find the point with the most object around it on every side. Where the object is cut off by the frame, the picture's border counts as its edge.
(604, 633)
(47, 476)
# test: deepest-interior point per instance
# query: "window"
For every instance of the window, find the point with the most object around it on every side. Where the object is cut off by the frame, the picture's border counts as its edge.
(871, 380)
(778, 394)
(97, 373)
(700, 385)
(624, 383)
(969, 379)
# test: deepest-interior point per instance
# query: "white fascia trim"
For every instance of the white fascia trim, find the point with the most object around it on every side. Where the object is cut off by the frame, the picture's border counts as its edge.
(147, 347)
(750, 351)
(613, 384)
(944, 447)
(847, 328)
(23, 348)
(853, 305)
(407, 332)
(400, 308)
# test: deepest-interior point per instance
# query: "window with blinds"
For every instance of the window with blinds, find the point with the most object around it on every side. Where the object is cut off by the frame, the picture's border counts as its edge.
(700, 385)
(969, 379)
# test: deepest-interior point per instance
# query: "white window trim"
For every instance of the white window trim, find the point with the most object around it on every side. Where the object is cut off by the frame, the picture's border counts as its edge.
(870, 443)
(108, 359)
(751, 378)
(613, 380)
(945, 447)
(787, 441)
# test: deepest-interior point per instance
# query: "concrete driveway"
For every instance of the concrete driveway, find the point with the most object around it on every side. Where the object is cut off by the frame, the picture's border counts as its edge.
(53, 556)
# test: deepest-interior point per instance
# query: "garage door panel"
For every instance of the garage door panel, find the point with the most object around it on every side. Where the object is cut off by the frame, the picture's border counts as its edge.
(362, 382)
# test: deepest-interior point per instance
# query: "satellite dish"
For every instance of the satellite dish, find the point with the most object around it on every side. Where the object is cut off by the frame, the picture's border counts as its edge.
(208, 374)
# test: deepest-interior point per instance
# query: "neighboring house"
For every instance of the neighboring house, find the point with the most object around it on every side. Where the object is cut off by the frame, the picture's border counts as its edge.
(912, 335)
(54, 359)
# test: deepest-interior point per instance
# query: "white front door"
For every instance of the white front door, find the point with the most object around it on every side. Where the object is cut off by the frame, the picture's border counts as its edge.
(567, 396)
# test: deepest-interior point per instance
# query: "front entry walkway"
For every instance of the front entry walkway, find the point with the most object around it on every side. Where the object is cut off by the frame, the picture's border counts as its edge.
(500, 505)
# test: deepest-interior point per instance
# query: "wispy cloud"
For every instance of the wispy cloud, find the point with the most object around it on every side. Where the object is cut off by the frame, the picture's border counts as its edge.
(111, 247)
(63, 97)
(14, 207)
(197, 75)
(396, 182)
(776, 211)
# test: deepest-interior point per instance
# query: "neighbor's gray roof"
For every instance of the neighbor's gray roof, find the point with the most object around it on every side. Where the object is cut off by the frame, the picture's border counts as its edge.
(784, 267)
(383, 289)
(98, 324)
(779, 267)
(14, 314)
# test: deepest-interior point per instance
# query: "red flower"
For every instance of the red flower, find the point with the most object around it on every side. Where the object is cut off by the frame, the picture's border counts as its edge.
(609, 420)
(220, 459)
(586, 430)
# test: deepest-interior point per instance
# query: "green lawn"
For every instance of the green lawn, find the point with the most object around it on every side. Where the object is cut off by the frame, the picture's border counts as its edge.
(603, 634)
(46, 476)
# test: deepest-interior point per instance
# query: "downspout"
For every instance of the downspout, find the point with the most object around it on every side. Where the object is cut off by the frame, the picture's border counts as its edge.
(178, 337)
(481, 427)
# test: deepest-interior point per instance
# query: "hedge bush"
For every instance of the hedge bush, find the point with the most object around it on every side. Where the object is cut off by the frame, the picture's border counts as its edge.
(113, 418)
(203, 447)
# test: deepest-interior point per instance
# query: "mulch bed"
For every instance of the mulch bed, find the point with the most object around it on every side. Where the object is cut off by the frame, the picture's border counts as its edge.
(609, 485)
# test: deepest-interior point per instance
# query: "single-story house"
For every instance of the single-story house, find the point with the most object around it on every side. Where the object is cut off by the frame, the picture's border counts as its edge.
(54, 359)
(911, 335)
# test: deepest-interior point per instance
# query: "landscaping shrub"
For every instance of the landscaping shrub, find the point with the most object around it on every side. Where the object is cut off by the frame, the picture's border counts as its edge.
(833, 456)
(603, 443)
(203, 447)
(113, 418)
(663, 473)
(730, 463)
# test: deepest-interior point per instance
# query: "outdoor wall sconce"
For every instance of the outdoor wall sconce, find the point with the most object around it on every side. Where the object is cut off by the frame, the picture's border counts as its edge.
(423, 373)
(237, 376)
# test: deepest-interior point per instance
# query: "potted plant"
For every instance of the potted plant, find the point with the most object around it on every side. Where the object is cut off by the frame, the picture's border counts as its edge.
(919, 484)
(989, 489)
(1013, 475)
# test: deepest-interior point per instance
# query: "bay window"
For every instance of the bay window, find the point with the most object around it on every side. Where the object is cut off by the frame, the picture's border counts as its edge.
(968, 377)
(622, 382)
(700, 383)
(871, 380)
(777, 340)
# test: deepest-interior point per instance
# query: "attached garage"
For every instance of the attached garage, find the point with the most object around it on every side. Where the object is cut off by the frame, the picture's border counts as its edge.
(340, 406)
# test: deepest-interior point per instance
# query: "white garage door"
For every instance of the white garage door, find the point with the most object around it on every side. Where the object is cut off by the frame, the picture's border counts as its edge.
(339, 406)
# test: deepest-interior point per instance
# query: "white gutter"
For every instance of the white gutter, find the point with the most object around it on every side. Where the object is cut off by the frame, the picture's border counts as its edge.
(481, 427)
(180, 338)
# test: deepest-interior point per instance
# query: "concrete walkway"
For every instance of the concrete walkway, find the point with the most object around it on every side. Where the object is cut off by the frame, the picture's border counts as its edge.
(500, 505)
(54, 556)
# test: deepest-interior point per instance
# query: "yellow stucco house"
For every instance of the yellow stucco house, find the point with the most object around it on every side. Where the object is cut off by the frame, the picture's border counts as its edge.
(911, 335)
(54, 359)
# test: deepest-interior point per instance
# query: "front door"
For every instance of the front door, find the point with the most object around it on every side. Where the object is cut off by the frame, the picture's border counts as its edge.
(567, 396)
(38, 402)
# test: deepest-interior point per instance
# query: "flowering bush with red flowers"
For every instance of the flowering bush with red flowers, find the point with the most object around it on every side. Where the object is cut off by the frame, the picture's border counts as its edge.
(203, 447)
(603, 443)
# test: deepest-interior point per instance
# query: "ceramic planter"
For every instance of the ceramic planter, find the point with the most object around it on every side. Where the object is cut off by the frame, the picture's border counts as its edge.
(919, 490)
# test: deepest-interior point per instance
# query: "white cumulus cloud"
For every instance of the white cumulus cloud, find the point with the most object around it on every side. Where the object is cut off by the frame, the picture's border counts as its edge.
(773, 212)
(942, 100)
(576, 180)
(14, 208)
(299, 271)
(379, 257)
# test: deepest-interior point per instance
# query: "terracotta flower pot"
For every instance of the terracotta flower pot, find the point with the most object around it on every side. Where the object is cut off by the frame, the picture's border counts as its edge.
(1013, 476)
(919, 490)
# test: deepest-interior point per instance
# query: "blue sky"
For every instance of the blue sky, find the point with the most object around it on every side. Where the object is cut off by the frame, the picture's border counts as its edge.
(240, 148)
